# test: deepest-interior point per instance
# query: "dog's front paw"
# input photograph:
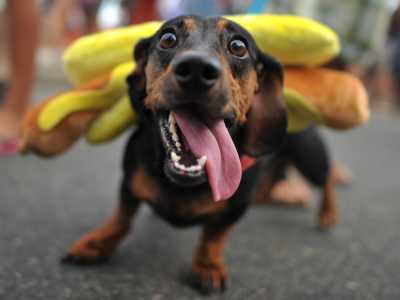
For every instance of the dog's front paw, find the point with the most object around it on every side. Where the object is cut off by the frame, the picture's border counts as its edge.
(92, 248)
(209, 278)
(327, 221)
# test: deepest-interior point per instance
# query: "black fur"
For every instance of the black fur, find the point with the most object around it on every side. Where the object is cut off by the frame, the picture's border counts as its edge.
(178, 198)
(308, 152)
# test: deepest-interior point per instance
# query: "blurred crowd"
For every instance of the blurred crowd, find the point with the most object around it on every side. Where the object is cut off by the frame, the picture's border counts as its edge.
(42, 29)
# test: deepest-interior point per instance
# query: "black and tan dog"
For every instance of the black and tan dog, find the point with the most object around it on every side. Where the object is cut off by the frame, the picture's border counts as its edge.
(206, 97)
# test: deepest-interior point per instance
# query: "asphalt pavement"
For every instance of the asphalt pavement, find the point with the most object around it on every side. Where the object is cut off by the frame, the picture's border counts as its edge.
(273, 253)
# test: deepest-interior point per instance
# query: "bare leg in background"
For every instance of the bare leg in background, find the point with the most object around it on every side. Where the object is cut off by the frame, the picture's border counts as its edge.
(23, 32)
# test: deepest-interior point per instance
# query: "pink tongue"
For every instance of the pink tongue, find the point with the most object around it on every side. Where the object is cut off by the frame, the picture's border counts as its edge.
(213, 140)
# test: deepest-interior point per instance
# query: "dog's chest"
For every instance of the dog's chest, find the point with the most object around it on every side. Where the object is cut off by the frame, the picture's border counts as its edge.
(176, 207)
(181, 211)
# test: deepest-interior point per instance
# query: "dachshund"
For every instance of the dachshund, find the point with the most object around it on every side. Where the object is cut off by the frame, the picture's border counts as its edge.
(207, 97)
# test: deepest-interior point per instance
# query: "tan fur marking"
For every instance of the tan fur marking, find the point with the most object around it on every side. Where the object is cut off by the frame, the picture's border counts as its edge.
(155, 80)
(220, 27)
(328, 210)
(144, 187)
(202, 206)
(241, 91)
(102, 241)
(208, 263)
(190, 24)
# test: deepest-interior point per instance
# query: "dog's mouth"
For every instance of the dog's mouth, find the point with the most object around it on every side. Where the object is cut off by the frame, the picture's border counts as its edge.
(198, 150)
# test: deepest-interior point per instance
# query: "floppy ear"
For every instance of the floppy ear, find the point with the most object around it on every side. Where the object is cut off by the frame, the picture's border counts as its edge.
(265, 129)
(137, 80)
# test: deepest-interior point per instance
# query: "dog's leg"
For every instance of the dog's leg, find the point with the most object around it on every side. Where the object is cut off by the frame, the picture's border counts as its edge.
(293, 191)
(328, 211)
(342, 175)
(310, 155)
(208, 267)
(99, 244)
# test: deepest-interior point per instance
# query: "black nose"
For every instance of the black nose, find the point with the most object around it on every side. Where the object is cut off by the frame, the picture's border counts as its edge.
(196, 70)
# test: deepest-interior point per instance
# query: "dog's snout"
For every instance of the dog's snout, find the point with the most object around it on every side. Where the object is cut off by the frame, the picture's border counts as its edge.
(196, 70)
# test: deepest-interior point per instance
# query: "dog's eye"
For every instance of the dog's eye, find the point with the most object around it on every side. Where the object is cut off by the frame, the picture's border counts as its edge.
(168, 40)
(238, 48)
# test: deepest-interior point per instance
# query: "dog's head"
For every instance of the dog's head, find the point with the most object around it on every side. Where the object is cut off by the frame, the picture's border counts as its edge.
(212, 94)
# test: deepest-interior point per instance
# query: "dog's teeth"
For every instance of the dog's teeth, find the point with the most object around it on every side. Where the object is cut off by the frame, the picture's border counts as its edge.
(175, 138)
(194, 168)
(172, 128)
(171, 118)
(186, 169)
(175, 157)
(180, 166)
(202, 161)
(171, 122)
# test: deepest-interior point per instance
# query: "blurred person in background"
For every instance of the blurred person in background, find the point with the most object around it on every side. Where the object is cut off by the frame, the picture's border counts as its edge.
(139, 11)
(57, 20)
(90, 8)
(173, 8)
(61, 13)
(22, 18)
(394, 46)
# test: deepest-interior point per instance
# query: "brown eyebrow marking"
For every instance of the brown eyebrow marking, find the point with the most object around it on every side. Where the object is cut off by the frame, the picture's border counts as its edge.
(241, 91)
(155, 78)
(144, 186)
(221, 25)
(190, 24)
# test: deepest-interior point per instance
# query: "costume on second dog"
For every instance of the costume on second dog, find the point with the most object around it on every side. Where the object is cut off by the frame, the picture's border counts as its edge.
(205, 98)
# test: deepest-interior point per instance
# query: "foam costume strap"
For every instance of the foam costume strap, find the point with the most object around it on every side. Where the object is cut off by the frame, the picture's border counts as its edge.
(99, 107)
